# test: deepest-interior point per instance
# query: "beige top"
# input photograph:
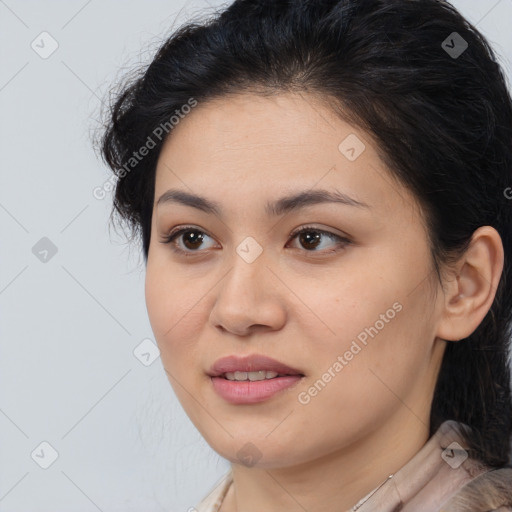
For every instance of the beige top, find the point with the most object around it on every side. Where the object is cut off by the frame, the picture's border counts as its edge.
(424, 484)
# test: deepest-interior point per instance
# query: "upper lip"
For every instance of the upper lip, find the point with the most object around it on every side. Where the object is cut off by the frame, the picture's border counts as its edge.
(251, 363)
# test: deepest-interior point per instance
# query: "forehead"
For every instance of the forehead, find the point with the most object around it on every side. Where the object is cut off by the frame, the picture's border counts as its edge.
(243, 146)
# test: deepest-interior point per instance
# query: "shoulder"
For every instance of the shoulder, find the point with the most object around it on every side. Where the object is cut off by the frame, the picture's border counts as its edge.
(213, 501)
(491, 491)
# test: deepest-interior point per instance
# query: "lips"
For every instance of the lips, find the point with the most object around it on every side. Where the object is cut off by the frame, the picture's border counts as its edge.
(251, 363)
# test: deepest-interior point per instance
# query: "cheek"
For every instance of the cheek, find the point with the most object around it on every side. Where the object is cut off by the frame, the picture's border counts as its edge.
(175, 312)
(157, 301)
(347, 309)
(164, 303)
(373, 331)
(357, 384)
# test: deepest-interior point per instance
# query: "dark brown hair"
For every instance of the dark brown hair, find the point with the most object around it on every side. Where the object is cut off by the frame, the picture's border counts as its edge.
(422, 81)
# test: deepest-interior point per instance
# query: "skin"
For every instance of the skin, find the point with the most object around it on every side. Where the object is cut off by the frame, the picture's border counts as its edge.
(302, 305)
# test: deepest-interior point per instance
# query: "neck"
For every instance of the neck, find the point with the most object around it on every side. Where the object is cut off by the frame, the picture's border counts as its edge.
(332, 483)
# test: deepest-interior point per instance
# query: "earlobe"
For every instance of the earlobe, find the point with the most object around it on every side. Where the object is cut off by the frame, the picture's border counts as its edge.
(470, 294)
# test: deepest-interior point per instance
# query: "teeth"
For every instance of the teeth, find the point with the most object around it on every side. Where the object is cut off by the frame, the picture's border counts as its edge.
(259, 375)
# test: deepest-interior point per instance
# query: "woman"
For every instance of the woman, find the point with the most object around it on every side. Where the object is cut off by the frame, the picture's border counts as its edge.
(322, 190)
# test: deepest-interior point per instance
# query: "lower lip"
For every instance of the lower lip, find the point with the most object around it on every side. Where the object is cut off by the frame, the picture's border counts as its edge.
(251, 392)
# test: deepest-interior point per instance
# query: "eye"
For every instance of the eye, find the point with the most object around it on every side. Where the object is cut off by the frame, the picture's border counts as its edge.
(309, 237)
(194, 238)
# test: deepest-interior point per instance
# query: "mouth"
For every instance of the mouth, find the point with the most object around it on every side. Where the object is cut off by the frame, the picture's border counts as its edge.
(254, 367)
(239, 391)
(240, 376)
(252, 379)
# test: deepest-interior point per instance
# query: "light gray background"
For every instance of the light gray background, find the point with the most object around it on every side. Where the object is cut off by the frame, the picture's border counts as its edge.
(69, 326)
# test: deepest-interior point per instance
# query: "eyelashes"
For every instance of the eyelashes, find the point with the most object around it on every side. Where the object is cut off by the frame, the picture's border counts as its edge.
(173, 238)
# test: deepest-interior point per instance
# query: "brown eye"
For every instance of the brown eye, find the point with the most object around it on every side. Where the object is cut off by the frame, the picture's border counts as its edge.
(191, 240)
(310, 238)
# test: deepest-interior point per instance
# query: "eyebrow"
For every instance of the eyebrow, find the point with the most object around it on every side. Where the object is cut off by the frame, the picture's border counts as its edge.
(279, 207)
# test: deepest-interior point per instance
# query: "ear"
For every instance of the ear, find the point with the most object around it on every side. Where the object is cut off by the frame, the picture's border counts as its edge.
(469, 295)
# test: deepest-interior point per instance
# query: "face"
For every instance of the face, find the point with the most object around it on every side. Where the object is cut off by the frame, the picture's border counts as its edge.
(350, 302)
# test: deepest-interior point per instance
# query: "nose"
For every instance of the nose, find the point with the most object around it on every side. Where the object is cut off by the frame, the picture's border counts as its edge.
(249, 298)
